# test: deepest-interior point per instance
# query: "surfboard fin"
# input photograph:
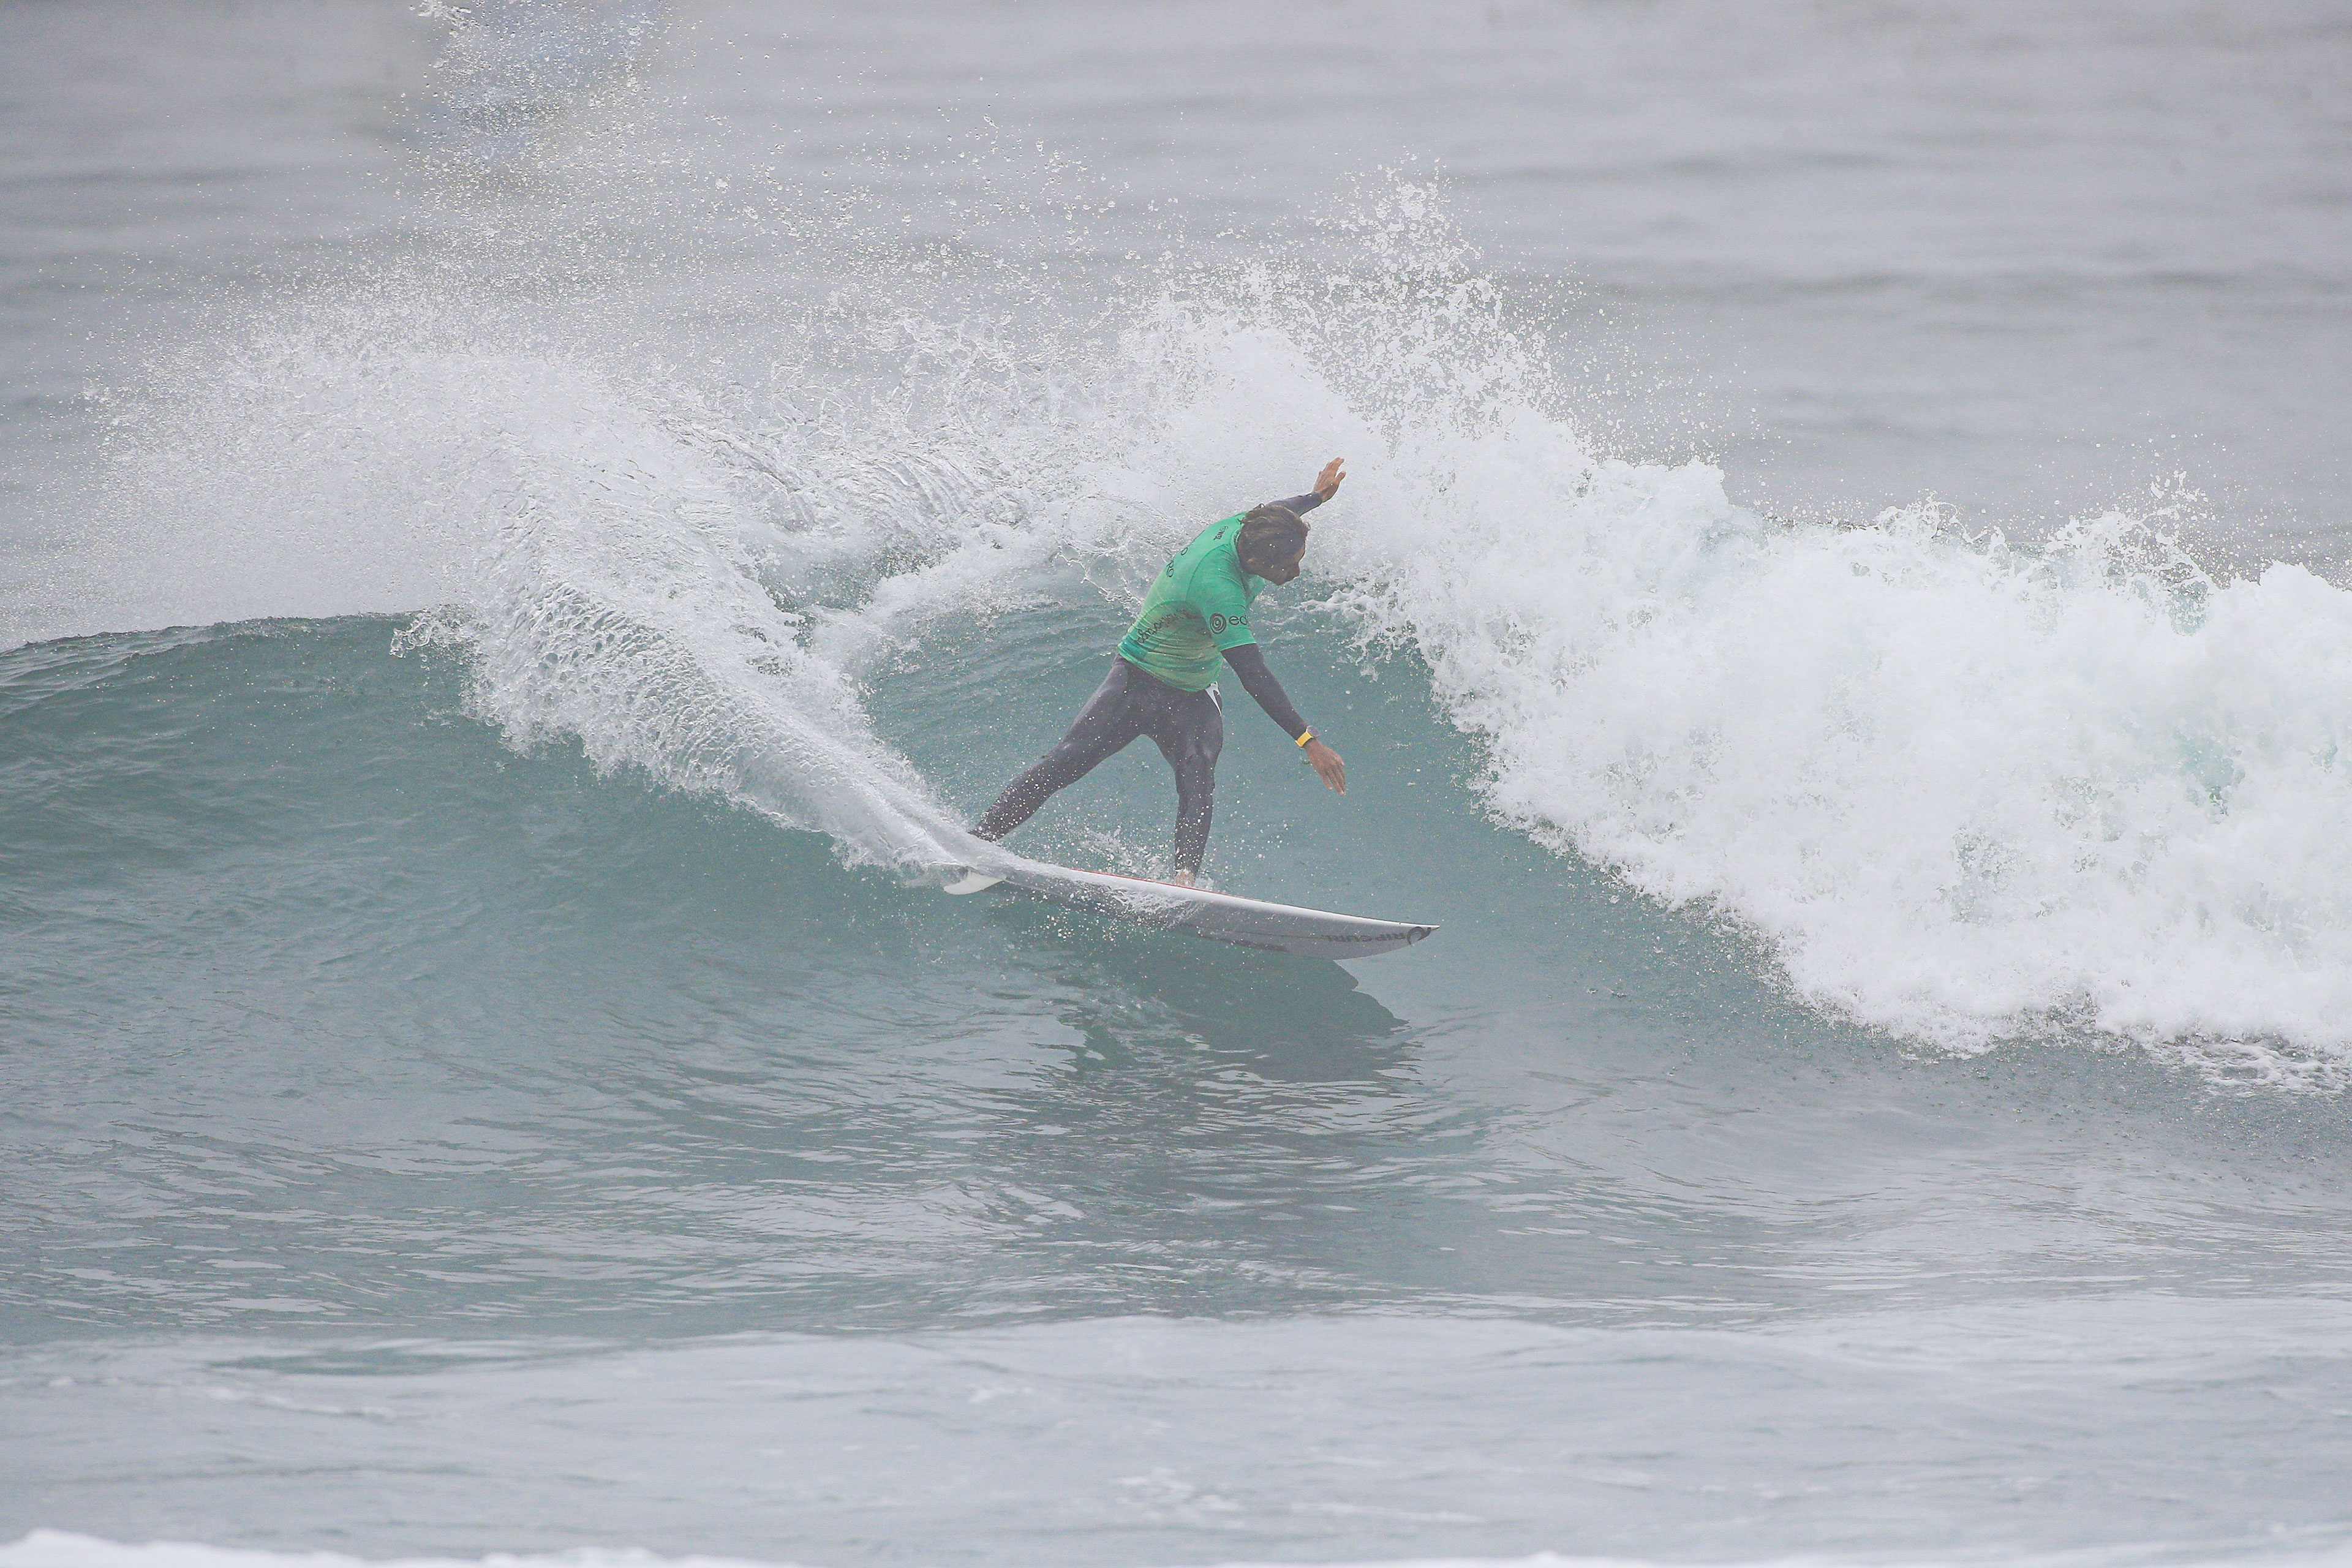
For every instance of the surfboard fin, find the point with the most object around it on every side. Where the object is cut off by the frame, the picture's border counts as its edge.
(971, 882)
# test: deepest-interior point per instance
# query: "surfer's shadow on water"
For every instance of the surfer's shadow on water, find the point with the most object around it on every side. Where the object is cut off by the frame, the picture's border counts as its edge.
(1204, 1082)
(1292, 1018)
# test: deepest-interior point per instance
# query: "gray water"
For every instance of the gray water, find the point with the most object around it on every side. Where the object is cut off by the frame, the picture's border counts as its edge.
(520, 527)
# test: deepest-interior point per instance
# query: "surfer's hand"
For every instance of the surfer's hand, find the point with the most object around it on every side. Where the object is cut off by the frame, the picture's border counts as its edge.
(1327, 483)
(1329, 765)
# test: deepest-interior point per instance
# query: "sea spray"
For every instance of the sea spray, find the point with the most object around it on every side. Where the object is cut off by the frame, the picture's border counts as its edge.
(618, 604)
(1966, 789)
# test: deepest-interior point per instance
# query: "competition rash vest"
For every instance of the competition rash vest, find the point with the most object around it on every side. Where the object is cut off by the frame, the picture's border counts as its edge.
(1199, 607)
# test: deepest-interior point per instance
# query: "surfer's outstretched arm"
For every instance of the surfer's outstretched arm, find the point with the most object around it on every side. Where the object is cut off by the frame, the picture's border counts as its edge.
(1327, 485)
(1249, 666)
(1274, 555)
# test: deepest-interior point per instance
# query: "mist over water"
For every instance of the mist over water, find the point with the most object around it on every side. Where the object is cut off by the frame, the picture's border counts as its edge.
(536, 525)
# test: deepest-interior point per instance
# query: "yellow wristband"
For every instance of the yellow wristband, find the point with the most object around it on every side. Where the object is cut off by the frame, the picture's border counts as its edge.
(1304, 739)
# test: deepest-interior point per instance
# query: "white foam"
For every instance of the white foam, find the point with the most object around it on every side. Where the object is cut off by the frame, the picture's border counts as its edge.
(1963, 788)
(1966, 790)
(62, 1548)
(576, 535)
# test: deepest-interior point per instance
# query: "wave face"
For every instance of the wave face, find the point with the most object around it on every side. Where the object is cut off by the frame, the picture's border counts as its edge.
(1964, 790)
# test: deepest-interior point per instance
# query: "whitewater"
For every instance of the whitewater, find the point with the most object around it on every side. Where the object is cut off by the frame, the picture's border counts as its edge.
(532, 529)
(1966, 790)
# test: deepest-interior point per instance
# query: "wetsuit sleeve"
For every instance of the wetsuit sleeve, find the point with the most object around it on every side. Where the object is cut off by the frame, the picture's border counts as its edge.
(1302, 505)
(1249, 663)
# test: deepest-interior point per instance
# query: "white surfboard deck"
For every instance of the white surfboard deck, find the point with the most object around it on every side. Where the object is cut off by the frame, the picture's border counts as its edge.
(1197, 911)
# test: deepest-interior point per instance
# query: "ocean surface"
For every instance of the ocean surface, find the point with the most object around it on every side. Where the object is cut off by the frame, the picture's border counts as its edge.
(527, 529)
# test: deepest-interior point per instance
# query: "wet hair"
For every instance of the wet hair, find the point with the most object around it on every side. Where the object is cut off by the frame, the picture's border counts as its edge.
(1270, 536)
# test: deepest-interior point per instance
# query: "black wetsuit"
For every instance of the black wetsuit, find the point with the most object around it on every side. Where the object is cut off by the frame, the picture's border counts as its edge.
(1188, 727)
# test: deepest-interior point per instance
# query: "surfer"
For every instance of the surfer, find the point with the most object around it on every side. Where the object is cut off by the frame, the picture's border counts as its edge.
(1162, 682)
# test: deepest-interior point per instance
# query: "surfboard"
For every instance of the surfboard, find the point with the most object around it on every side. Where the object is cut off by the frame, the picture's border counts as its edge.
(1196, 911)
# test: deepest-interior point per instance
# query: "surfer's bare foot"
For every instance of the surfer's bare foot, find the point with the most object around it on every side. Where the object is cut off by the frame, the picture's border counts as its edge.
(1184, 879)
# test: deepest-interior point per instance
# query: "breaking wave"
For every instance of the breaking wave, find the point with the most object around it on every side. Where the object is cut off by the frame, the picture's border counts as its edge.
(1965, 788)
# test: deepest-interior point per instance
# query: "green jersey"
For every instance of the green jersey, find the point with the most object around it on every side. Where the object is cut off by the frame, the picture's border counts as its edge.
(1196, 609)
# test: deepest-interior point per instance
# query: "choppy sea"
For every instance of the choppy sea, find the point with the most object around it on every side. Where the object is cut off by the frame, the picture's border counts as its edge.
(526, 528)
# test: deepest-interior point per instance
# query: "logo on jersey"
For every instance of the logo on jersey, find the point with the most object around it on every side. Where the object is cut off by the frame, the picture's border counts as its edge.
(1216, 623)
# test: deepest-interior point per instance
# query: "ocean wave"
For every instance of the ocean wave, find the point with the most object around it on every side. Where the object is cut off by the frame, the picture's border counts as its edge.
(1964, 789)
